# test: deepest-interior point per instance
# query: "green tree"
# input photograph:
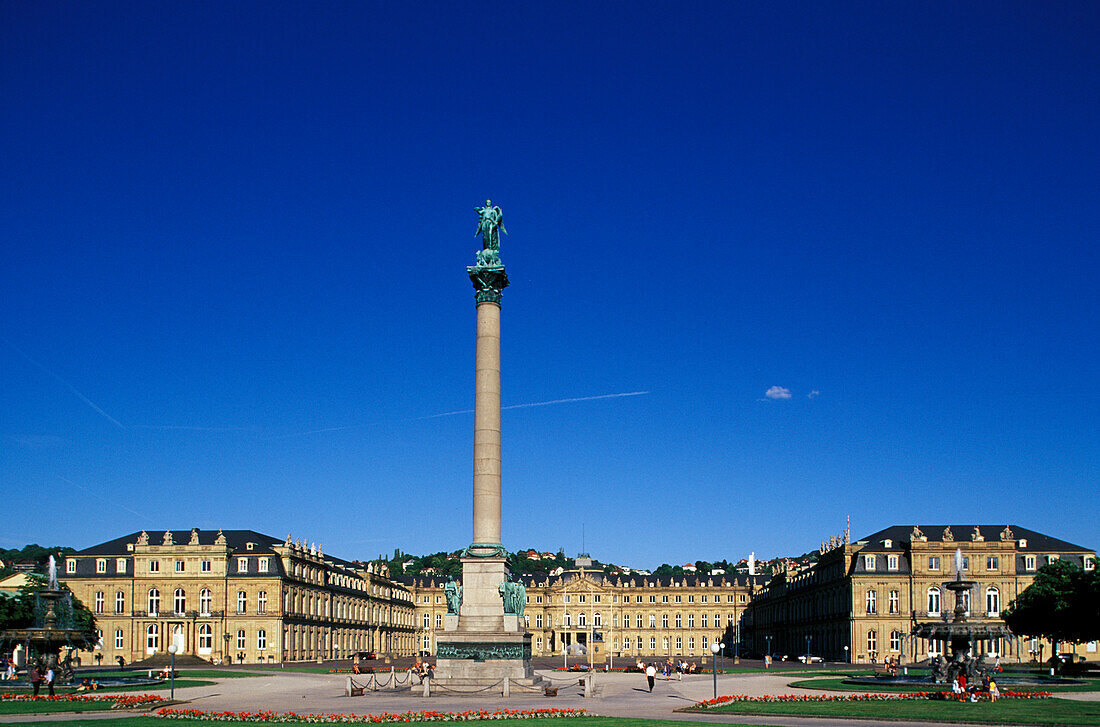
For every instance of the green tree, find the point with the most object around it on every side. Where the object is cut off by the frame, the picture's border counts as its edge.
(1061, 604)
(18, 611)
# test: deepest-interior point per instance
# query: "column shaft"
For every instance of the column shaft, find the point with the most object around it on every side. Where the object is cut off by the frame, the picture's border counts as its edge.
(487, 425)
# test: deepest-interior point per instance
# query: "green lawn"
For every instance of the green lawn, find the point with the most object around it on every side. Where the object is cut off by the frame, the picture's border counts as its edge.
(838, 685)
(33, 707)
(579, 722)
(180, 684)
(1014, 712)
(183, 674)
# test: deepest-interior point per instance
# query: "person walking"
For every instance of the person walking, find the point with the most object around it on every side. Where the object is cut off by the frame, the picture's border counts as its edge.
(993, 691)
(49, 679)
(36, 679)
(650, 675)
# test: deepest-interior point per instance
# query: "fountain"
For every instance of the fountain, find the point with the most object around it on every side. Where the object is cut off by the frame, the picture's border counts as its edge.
(53, 630)
(959, 633)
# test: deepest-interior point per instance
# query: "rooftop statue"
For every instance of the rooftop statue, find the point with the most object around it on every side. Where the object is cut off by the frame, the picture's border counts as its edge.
(490, 223)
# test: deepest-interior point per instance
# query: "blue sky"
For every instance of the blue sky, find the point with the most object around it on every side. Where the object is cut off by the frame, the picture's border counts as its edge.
(229, 225)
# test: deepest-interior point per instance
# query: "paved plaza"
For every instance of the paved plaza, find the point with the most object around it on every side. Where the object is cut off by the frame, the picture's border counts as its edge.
(618, 695)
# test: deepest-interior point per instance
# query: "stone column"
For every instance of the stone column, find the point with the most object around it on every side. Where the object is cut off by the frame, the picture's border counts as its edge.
(487, 426)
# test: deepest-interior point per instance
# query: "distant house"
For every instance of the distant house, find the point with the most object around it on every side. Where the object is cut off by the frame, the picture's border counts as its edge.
(557, 571)
(717, 572)
(689, 567)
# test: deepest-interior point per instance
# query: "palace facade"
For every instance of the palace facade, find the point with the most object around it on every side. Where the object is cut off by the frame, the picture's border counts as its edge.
(236, 596)
(860, 600)
(621, 617)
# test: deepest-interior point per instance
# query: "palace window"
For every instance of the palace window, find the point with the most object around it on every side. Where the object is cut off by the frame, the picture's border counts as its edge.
(538, 599)
(204, 566)
(179, 601)
(691, 643)
(664, 643)
(101, 565)
(538, 621)
(653, 599)
(99, 601)
(1029, 562)
(205, 638)
(180, 566)
(933, 601)
(538, 643)
(582, 619)
(242, 602)
(703, 640)
(241, 639)
(868, 562)
(891, 562)
(664, 599)
(439, 620)
(872, 602)
(1051, 558)
(872, 641)
(565, 619)
(652, 643)
(691, 598)
(895, 641)
(691, 620)
(261, 602)
(741, 598)
(992, 601)
(597, 619)
(731, 619)
(154, 602)
(262, 565)
(426, 620)
(119, 639)
(894, 602)
(120, 602)
(261, 639)
(567, 598)
(933, 562)
(664, 620)
(679, 643)
(966, 563)
(596, 598)
(652, 621)
(70, 565)
(991, 563)
(639, 642)
(678, 598)
(152, 637)
(678, 624)
(204, 602)
(120, 565)
(637, 599)
(702, 620)
(702, 599)
(638, 620)
(242, 567)
(154, 566)
(1090, 563)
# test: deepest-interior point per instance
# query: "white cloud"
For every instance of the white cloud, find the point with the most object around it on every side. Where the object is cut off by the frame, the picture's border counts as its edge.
(813, 394)
(778, 392)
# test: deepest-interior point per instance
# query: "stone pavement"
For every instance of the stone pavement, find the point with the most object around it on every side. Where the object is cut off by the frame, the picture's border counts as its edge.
(620, 695)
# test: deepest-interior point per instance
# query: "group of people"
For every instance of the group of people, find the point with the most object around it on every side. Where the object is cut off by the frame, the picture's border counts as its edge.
(424, 670)
(38, 677)
(88, 685)
(666, 669)
(961, 687)
(7, 668)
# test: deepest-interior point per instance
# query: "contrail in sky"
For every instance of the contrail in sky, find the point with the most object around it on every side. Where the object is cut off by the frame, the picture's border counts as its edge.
(96, 494)
(68, 386)
(468, 411)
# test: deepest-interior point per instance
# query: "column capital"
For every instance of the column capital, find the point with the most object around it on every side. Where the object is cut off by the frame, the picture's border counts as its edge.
(489, 282)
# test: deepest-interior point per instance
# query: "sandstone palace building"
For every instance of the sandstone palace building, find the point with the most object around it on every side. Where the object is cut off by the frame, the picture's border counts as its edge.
(237, 596)
(859, 601)
(622, 617)
(242, 596)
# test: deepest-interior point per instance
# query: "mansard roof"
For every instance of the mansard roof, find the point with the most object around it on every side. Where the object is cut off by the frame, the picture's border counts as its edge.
(234, 539)
(962, 534)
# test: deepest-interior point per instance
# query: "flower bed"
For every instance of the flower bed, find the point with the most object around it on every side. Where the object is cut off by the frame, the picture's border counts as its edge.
(119, 701)
(472, 715)
(876, 697)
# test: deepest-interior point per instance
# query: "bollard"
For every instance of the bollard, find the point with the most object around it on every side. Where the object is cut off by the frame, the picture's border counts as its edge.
(347, 688)
(427, 686)
(588, 685)
(505, 690)
(393, 679)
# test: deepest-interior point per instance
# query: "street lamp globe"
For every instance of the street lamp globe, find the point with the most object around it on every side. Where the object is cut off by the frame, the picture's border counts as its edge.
(715, 648)
(173, 648)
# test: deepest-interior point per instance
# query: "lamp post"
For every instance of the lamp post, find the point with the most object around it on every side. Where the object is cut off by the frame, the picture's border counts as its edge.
(172, 649)
(846, 654)
(225, 652)
(714, 649)
(768, 653)
(807, 649)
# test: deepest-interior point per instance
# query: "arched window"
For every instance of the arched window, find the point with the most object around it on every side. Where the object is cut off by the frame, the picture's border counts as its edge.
(894, 602)
(242, 602)
(240, 639)
(179, 601)
(261, 602)
(120, 602)
(206, 641)
(597, 619)
(993, 601)
(581, 619)
(895, 640)
(933, 601)
(872, 641)
(566, 621)
(679, 621)
(154, 602)
(261, 639)
(872, 601)
(100, 599)
(204, 602)
(152, 638)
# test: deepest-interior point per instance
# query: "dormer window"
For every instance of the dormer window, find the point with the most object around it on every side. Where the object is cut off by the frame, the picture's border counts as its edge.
(70, 565)
(887, 543)
(249, 546)
(1023, 543)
